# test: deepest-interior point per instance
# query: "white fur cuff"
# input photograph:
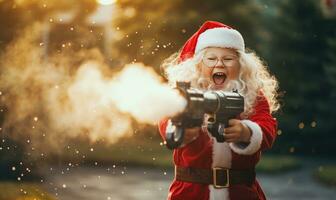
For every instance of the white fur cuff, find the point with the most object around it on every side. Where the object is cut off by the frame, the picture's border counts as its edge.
(255, 141)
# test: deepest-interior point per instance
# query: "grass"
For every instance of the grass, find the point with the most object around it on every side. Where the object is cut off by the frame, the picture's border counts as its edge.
(145, 152)
(22, 191)
(151, 152)
(138, 151)
(277, 164)
(326, 175)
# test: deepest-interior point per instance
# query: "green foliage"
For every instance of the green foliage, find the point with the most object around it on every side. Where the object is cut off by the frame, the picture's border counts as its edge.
(330, 65)
(10, 156)
(14, 162)
(277, 164)
(139, 150)
(326, 174)
(152, 30)
(301, 54)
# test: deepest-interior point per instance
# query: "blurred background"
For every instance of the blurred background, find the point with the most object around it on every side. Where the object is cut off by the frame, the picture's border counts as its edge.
(297, 39)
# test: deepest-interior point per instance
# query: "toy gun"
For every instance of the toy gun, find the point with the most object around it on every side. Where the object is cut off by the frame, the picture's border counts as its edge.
(219, 105)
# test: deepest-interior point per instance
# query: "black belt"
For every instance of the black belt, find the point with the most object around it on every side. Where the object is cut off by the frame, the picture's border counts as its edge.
(219, 177)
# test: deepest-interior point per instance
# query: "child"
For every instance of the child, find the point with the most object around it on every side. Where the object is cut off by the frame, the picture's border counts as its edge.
(214, 58)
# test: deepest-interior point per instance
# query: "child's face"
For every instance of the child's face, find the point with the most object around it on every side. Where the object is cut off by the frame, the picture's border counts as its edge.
(219, 65)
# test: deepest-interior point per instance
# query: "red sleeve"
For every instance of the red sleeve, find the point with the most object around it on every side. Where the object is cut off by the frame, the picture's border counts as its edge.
(267, 123)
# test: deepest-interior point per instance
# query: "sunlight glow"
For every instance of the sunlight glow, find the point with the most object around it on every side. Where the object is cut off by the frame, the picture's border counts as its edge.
(106, 2)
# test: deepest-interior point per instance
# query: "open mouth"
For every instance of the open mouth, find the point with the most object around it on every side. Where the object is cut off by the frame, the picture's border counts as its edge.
(219, 78)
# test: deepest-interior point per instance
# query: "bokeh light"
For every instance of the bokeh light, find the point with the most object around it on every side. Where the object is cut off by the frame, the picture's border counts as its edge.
(106, 2)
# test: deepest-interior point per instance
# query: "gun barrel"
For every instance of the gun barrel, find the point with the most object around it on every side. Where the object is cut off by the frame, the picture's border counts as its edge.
(228, 103)
(222, 105)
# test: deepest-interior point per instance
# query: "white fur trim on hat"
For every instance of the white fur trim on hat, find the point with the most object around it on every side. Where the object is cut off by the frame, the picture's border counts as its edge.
(255, 141)
(220, 37)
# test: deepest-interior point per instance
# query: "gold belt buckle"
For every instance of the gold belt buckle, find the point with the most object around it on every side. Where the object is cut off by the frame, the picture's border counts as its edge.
(214, 172)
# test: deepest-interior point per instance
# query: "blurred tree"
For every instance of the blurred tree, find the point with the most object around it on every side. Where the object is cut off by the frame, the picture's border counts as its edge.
(11, 154)
(149, 31)
(330, 68)
(302, 55)
(15, 15)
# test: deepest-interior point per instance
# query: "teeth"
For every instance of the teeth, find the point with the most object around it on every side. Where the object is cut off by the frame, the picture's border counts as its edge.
(219, 78)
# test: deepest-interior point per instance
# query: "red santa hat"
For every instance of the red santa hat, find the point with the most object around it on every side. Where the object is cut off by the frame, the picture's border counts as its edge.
(212, 34)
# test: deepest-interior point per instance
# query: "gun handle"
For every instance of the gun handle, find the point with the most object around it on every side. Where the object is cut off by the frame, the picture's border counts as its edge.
(217, 131)
(174, 138)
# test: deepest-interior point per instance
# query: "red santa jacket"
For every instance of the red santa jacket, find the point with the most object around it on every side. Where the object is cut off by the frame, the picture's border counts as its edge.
(205, 152)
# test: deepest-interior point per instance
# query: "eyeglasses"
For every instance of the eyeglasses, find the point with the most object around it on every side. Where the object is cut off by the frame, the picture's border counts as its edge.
(212, 61)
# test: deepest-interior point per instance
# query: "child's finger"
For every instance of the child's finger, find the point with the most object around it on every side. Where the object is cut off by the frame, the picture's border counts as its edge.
(229, 137)
(233, 122)
(231, 130)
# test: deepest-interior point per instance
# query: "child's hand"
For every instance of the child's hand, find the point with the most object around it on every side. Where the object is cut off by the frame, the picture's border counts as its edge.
(191, 134)
(237, 132)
